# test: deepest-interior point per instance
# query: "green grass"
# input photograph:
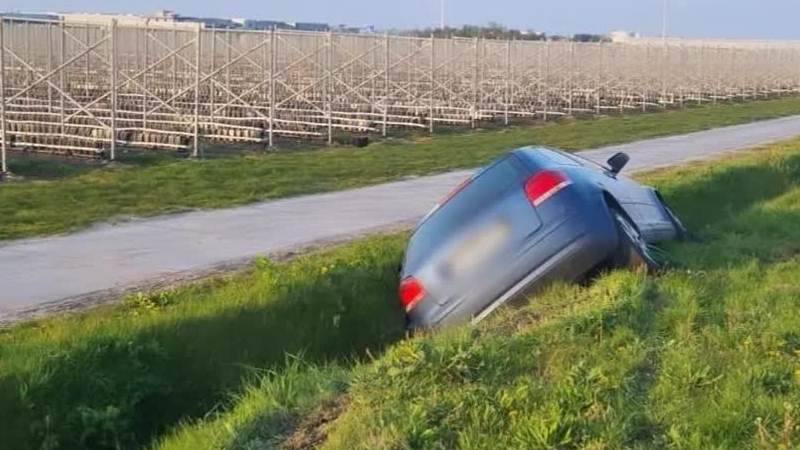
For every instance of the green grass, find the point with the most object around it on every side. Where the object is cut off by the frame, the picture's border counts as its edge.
(150, 184)
(704, 355)
(121, 375)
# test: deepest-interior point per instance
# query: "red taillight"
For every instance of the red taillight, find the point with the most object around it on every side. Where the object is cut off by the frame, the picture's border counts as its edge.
(543, 185)
(411, 292)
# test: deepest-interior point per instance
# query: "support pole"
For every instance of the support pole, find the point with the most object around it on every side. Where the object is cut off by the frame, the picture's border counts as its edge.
(644, 85)
(433, 82)
(329, 85)
(507, 90)
(212, 93)
(87, 80)
(63, 74)
(113, 44)
(474, 85)
(144, 76)
(228, 66)
(386, 88)
(3, 135)
(175, 46)
(49, 66)
(570, 76)
(546, 80)
(199, 44)
(273, 58)
(598, 108)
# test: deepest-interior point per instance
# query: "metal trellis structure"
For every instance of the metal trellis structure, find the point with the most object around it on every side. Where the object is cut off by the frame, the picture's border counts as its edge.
(84, 90)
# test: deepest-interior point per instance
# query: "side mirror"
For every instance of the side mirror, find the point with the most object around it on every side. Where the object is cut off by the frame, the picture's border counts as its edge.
(618, 162)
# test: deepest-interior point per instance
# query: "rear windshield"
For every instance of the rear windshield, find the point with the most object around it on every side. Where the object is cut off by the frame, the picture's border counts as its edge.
(489, 185)
(558, 158)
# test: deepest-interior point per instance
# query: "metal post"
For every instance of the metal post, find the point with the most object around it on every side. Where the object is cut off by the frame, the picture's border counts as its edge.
(663, 64)
(88, 79)
(144, 76)
(199, 44)
(272, 62)
(174, 59)
(683, 72)
(546, 78)
(62, 78)
(599, 78)
(113, 45)
(433, 81)
(797, 81)
(570, 74)
(719, 74)
(507, 91)
(474, 85)
(211, 86)
(228, 66)
(645, 67)
(49, 66)
(329, 85)
(3, 135)
(386, 88)
(27, 39)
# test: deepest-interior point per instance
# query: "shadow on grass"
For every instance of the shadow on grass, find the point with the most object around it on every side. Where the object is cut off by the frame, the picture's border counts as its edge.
(125, 387)
(724, 192)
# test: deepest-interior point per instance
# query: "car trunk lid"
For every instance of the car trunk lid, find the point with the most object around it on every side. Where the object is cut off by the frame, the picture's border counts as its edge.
(484, 221)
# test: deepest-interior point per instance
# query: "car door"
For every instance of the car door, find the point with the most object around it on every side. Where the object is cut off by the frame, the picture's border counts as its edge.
(639, 201)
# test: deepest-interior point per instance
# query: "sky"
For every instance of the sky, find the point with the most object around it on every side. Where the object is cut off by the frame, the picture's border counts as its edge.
(764, 19)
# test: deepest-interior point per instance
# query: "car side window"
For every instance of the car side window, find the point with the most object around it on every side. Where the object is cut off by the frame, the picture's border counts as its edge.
(558, 157)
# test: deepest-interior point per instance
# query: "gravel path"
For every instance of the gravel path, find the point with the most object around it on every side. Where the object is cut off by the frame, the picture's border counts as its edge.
(38, 276)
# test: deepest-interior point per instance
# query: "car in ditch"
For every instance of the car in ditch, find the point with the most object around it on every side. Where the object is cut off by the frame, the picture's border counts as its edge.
(531, 217)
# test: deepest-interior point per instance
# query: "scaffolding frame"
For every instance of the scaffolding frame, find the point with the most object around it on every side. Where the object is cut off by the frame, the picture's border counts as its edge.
(85, 90)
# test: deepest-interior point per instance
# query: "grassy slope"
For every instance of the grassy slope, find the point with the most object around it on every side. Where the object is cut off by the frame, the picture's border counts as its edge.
(703, 356)
(689, 358)
(149, 185)
(124, 374)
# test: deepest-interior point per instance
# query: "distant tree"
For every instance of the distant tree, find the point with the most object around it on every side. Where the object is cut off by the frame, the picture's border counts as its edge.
(585, 37)
(492, 30)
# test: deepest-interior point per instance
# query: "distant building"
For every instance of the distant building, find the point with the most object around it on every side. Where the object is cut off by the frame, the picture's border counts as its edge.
(250, 24)
(623, 36)
(161, 19)
(170, 19)
(31, 16)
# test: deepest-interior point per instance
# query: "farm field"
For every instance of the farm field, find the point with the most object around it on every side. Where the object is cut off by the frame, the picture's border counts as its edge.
(57, 197)
(311, 353)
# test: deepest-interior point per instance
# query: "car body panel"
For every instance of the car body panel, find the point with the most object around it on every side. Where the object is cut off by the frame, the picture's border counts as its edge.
(468, 268)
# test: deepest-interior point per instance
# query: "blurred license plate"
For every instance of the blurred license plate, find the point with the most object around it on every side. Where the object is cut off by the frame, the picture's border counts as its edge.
(480, 247)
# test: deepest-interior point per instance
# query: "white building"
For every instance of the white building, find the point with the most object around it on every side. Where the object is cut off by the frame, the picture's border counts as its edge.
(161, 19)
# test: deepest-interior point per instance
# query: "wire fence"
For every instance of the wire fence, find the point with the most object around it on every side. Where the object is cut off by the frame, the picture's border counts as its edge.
(85, 90)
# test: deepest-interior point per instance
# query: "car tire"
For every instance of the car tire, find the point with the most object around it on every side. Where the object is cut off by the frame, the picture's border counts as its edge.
(632, 251)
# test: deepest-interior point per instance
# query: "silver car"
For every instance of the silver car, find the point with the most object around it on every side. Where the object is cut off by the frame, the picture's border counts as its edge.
(533, 216)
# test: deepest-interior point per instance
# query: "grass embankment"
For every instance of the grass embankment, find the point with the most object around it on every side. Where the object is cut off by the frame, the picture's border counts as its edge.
(150, 184)
(704, 355)
(121, 375)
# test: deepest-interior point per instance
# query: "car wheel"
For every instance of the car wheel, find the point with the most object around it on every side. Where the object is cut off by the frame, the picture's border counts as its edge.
(681, 233)
(632, 251)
